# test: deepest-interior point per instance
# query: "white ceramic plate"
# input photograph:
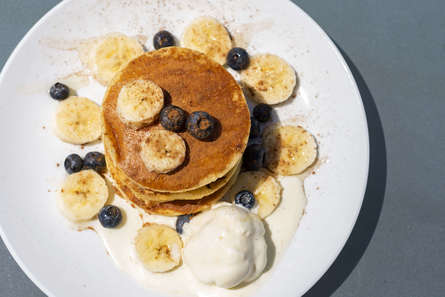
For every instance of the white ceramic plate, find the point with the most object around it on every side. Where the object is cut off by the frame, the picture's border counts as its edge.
(66, 263)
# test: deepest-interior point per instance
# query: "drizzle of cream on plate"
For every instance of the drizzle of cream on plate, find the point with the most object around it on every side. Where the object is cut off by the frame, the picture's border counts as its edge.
(280, 228)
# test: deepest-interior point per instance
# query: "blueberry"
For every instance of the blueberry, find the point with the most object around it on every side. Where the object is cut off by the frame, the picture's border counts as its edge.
(201, 125)
(180, 221)
(245, 199)
(110, 216)
(261, 112)
(253, 158)
(73, 163)
(59, 91)
(95, 161)
(238, 58)
(173, 118)
(255, 129)
(163, 39)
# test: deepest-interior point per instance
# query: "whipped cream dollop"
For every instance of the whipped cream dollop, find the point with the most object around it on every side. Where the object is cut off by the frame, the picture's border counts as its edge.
(225, 246)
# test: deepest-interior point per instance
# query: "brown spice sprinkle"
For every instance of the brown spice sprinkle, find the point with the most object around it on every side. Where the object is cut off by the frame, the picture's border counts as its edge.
(91, 228)
(57, 164)
(162, 250)
(204, 124)
(261, 86)
(193, 82)
(173, 114)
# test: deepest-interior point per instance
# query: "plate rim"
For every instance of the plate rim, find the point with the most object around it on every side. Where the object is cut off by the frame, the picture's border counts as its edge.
(350, 77)
(363, 115)
(4, 70)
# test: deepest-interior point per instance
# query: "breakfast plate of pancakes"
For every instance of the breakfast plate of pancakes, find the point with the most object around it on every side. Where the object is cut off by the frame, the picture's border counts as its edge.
(325, 101)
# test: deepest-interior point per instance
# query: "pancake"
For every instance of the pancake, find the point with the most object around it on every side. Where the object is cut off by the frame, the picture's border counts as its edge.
(146, 194)
(178, 207)
(193, 82)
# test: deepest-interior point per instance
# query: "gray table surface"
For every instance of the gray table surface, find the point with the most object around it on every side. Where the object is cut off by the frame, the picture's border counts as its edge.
(396, 51)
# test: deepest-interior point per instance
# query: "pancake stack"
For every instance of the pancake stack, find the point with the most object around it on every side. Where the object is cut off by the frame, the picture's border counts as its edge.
(192, 82)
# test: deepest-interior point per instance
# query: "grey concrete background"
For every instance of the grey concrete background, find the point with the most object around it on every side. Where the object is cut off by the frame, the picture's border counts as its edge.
(396, 51)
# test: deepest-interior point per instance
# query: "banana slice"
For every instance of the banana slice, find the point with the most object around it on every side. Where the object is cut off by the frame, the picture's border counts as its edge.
(158, 247)
(208, 36)
(289, 149)
(82, 195)
(265, 188)
(112, 53)
(139, 103)
(162, 151)
(78, 120)
(270, 79)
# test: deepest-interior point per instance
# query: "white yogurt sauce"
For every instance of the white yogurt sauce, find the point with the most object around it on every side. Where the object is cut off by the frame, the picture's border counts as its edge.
(280, 228)
(225, 246)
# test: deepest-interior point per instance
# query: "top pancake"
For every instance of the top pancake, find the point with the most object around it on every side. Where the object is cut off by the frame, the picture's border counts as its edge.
(193, 82)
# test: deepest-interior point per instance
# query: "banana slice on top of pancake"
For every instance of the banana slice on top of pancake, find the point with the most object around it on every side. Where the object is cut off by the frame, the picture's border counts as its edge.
(82, 196)
(289, 149)
(111, 53)
(78, 120)
(158, 247)
(139, 103)
(265, 188)
(270, 79)
(208, 36)
(162, 151)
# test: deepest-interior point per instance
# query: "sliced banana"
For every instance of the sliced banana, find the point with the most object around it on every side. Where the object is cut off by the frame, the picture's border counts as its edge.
(82, 195)
(111, 53)
(162, 151)
(270, 79)
(139, 103)
(265, 188)
(78, 120)
(289, 149)
(208, 36)
(158, 247)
